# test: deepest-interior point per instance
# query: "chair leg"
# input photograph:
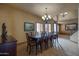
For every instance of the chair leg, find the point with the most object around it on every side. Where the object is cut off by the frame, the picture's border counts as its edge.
(41, 47)
(36, 49)
(29, 50)
(51, 42)
(47, 44)
(56, 42)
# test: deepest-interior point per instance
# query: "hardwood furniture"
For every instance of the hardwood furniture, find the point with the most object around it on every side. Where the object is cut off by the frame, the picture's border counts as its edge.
(50, 39)
(55, 39)
(41, 40)
(45, 37)
(38, 40)
(8, 48)
(32, 41)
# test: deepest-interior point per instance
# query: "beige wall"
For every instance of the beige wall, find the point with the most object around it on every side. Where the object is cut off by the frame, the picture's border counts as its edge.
(14, 19)
(63, 31)
(63, 23)
(71, 17)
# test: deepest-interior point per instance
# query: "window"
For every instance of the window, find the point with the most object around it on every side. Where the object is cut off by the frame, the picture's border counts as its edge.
(39, 27)
(58, 28)
(47, 27)
(55, 27)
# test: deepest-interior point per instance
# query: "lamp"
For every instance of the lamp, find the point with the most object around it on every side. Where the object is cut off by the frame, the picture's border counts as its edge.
(46, 16)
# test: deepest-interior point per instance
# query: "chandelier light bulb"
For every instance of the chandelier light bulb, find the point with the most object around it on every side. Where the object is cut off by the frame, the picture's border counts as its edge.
(49, 16)
(43, 18)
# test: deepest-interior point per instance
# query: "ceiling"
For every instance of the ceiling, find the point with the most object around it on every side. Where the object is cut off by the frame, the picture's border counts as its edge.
(39, 8)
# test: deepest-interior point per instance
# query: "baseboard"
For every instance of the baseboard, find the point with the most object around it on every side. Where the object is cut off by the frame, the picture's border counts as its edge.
(22, 43)
(64, 33)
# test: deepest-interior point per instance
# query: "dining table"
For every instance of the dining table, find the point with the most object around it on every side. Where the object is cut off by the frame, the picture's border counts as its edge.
(38, 38)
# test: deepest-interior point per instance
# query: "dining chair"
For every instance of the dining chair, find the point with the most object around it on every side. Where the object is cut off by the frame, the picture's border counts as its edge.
(42, 41)
(45, 40)
(51, 40)
(55, 40)
(30, 43)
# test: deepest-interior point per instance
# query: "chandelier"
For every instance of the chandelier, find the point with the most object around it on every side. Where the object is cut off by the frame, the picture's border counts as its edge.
(46, 17)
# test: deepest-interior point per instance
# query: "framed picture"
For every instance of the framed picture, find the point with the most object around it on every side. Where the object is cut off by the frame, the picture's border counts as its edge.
(28, 26)
(72, 26)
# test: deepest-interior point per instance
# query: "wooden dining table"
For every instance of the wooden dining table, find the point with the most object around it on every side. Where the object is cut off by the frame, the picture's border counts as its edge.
(39, 38)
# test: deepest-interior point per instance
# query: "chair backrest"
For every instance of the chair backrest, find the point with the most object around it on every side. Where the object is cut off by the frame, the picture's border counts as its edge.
(27, 37)
(55, 36)
(43, 35)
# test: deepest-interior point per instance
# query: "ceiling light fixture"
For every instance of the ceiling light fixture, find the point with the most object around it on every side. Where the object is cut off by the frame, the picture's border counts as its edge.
(63, 14)
(46, 16)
